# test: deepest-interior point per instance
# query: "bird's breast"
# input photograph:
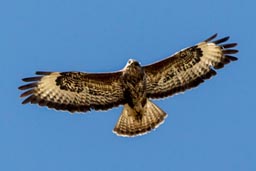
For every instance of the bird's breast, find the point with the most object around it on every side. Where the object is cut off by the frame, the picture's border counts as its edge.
(135, 88)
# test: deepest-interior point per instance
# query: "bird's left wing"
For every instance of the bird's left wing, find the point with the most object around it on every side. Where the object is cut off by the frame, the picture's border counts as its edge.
(74, 91)
(188, 68)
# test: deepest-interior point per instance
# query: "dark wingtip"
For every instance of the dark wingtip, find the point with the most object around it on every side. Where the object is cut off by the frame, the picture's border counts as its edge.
(232, 58)
(27, 86)
(224, 39)
(211, 38)
(28, 99)
(229, 45)
(31, 79)
(26, 93)
(43, 72)
(20, 87)
(230, 51)
(219, 66)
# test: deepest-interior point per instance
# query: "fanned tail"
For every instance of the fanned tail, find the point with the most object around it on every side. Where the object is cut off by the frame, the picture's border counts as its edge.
(129, 125)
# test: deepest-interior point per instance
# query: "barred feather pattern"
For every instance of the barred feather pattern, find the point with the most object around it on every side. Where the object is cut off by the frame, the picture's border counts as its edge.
(128, 125)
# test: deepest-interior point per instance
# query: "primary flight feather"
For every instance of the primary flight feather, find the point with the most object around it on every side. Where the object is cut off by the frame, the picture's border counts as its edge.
(133, 86)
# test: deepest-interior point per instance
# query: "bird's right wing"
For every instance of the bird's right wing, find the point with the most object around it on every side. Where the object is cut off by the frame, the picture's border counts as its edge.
(74, 91)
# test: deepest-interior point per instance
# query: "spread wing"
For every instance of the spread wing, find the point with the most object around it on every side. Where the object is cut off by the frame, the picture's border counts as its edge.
(74, 91)
(188, 68)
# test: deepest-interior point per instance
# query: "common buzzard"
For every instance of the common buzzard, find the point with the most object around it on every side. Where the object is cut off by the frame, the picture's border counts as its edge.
(133, 86)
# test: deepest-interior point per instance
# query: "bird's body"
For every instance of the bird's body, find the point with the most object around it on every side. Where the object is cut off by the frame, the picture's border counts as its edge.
(139, 114)
(133, 86)
(134, 83)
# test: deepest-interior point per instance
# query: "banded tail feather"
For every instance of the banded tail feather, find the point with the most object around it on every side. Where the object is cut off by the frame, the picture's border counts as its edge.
(129, 125)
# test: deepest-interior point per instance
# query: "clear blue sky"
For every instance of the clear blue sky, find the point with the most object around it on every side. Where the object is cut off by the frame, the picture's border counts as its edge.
(210, 128)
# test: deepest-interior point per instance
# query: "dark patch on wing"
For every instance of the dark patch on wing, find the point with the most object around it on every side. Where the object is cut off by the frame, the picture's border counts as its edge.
(70, 82)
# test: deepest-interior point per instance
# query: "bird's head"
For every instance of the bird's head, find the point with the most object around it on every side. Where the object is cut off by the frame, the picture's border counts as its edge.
(132, 63)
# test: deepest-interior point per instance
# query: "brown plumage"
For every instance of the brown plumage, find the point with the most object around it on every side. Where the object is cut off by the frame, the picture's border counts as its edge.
(132, 87)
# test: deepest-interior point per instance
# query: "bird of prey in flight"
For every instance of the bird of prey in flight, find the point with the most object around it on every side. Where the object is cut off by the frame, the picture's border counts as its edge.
(133, 87)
